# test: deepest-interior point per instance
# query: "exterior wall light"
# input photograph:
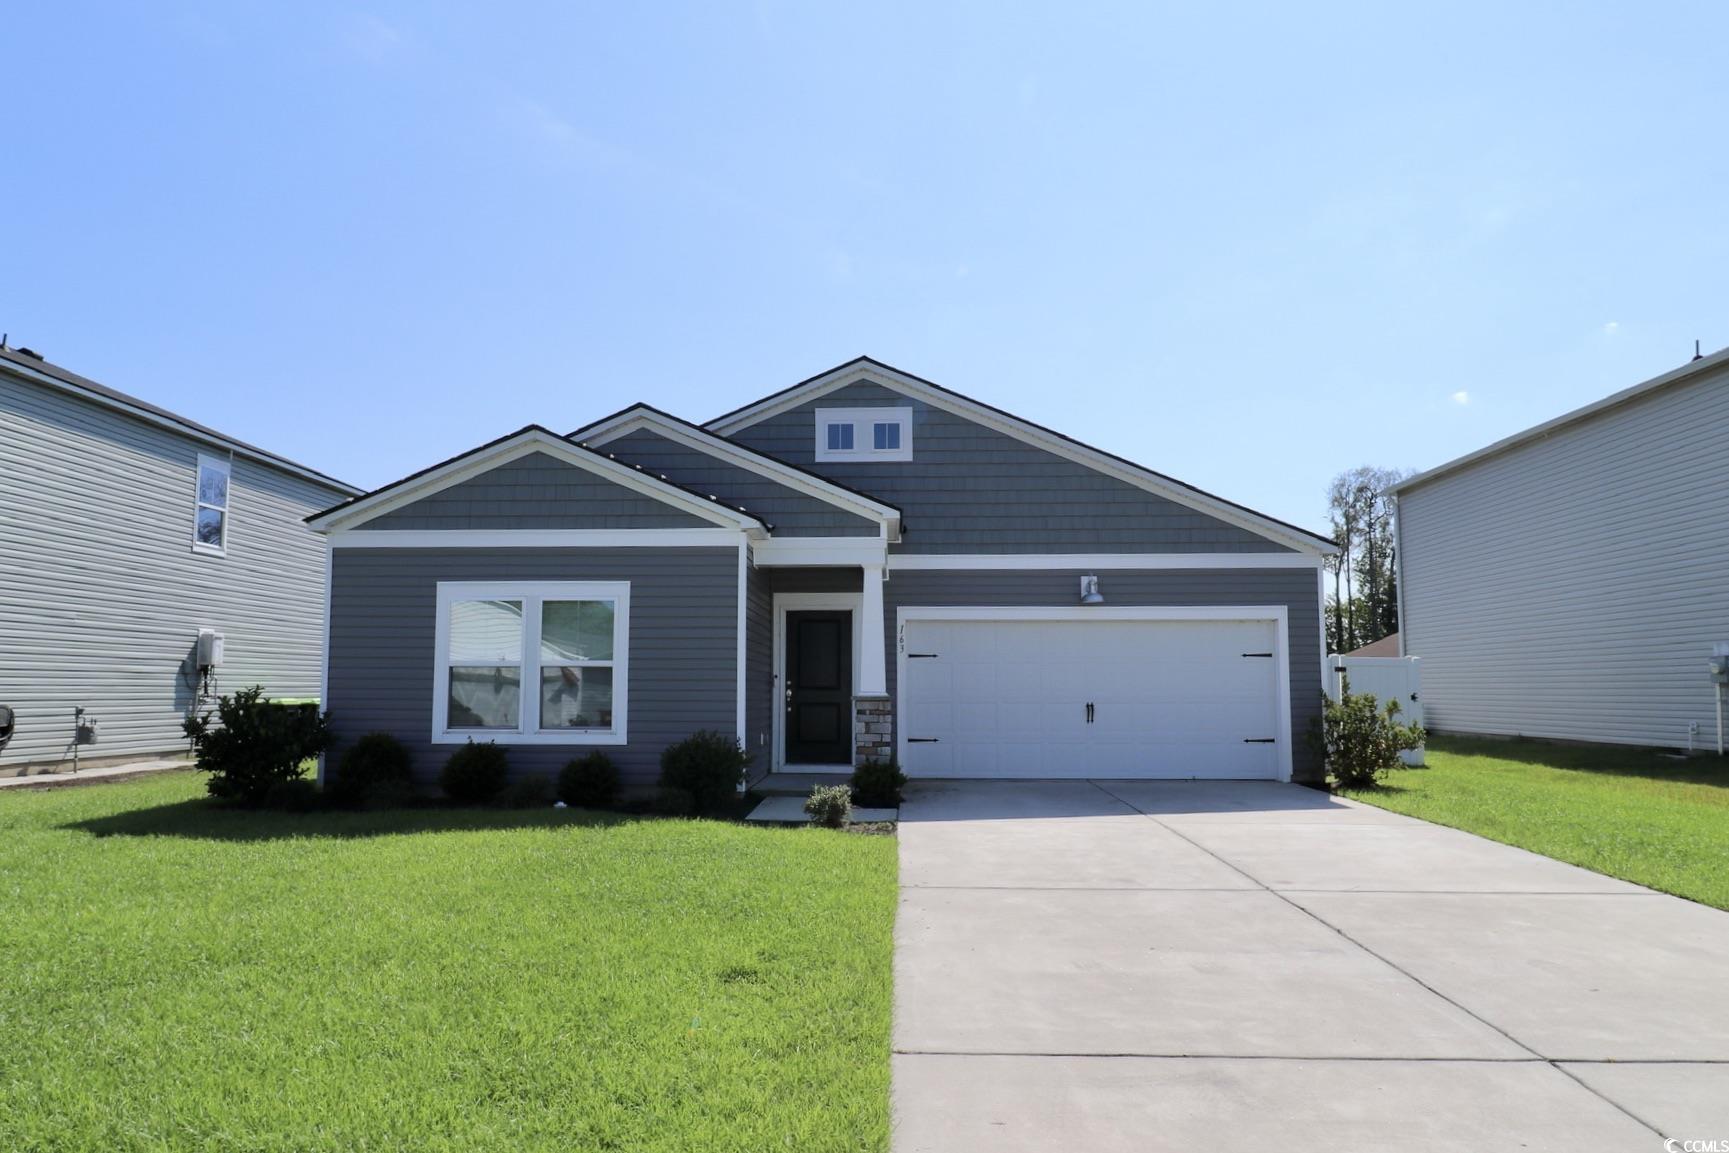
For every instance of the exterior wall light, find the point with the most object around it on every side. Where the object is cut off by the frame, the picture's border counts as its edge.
(1090, 594)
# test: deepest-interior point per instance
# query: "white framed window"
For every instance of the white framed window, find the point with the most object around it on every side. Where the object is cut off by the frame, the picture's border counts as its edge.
(864, 434)
(210, 510)
(532, 662)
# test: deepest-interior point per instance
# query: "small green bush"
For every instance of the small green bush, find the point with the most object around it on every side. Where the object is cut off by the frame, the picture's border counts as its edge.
(707, 765)
(250, 744)
(533, 791)
(1361, 739)
(589, 782)
(475, 774)
(878, 784)
(830, 806)
(374, 765)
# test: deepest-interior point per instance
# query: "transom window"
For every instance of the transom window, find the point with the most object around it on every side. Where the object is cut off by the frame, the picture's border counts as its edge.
(864, 434)
(210, 513)
(536, 662)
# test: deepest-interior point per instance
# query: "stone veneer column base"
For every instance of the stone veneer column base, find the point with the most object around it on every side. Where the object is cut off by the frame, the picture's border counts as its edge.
(873, 729)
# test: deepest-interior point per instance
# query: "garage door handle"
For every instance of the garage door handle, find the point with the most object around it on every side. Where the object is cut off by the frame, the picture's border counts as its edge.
(923, 740)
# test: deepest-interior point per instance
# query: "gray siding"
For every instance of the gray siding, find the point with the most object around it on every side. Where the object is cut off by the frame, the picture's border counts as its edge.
(683, 638)
(1296, 589)
(759, 697)
(971, 489)
(536, 491)
(791, 512)
(101, 595)
(1572, 587)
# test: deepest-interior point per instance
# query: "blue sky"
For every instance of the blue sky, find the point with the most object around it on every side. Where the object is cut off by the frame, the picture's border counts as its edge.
(1249, 246)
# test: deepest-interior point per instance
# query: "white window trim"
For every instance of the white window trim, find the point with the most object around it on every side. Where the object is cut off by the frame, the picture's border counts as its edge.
(532, 593)
(863, 421)
(226, 465)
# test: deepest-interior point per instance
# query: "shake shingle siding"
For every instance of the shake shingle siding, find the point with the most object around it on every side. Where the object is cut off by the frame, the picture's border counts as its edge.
(536, 492)
(101, 595)
(971, 489)
(791, 512)
(683, 650)
(1572, 586)
(1296, 589)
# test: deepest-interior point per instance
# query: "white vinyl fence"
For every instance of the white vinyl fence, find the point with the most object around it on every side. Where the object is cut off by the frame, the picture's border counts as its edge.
(1396, 678)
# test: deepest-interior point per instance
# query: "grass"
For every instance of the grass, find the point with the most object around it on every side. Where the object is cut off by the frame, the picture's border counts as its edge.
(174, 976)
(1630, 813)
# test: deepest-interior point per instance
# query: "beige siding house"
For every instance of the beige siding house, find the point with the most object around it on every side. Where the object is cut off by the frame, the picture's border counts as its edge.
(1569, 582)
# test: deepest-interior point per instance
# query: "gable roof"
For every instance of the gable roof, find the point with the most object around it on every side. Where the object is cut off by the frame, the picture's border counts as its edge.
(38, 371)
(645, 416)
(524, 441)
(1626, 396)
(864, 368)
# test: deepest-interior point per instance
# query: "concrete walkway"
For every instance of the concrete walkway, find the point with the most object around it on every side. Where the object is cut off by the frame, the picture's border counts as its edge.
(1148, 966)
(98, 773)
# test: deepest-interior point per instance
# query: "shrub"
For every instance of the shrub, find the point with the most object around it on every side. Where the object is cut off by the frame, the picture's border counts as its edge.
(671, 802)
(533, 791)
(375, 764)
(299, 795)
(1361, 739)
(707, 765)
(251, 744)
(878, 784)
(830, 806)
(589, 782)
(474, 774)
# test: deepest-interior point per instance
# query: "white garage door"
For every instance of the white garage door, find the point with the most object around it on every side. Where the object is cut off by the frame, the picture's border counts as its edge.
(1091, 698)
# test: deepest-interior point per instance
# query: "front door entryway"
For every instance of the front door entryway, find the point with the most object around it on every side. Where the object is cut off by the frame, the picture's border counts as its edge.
(818, 693)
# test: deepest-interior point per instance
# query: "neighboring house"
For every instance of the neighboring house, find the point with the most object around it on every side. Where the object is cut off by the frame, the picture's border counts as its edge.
(862, 565)
(1570, 581)
(1387, 646)
(124, 531)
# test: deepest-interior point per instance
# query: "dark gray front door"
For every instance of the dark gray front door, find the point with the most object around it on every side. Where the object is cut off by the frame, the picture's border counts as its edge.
(818, 688)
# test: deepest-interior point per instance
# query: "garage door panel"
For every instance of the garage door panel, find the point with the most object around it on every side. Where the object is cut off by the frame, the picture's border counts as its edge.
(1172, 698)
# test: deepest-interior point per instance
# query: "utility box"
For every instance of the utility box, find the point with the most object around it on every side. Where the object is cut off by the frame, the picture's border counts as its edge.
(209, 649)
(1718, 665)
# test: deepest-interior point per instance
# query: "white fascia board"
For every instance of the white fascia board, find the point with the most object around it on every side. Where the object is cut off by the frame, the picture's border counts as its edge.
(216, 440)
(811, 551)
(538, 538)
(525, 444)
(796, 479)
(1022, 431)
(1192, 560)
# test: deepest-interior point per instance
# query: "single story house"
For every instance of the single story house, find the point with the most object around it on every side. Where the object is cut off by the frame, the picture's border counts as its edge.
(128, 531)
(860, 566)
(1568, 582)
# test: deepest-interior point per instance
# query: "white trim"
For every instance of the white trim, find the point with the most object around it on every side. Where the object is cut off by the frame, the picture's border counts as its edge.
(225, 465)
(1398, 575)
(1093, 458)
(179, 426)
(743, 653)
(522, 444)
(907, 562)
(720, 448)
(799, 602)
(324, 664)
(820, 550)
(1277, 614)
(863, 422)
(537, 538)
(532, 593)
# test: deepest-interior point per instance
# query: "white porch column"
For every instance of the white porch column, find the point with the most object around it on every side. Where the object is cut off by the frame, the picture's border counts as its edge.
(872, 674)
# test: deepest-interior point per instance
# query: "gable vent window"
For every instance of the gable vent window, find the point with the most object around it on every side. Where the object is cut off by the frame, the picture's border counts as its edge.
(210, 515)
(864, 434)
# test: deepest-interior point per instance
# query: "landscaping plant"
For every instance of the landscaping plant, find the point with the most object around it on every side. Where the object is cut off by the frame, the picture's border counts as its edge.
(830, 806)
(374, 764)
(589, 782)
(475, 774)
(1362, 738)
(878, 784)
(707, 765)
(249, 745)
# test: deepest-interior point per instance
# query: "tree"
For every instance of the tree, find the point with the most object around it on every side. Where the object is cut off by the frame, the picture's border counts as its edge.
(1364, 604)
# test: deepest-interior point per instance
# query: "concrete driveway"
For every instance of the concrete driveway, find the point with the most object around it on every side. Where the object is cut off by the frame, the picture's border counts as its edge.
(1139, 966)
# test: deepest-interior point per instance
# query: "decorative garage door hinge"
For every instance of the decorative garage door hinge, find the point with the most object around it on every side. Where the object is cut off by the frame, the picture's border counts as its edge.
(921, 656)
(1260, 740)
(923, 740)
(1257, 654)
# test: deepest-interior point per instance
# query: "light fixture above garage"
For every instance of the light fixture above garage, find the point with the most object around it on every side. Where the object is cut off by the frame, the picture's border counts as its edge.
(1090, 594)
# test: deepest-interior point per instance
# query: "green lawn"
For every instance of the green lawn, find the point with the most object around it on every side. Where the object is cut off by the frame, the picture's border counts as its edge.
(1631, 813)
(178, 977)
